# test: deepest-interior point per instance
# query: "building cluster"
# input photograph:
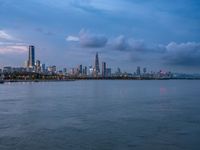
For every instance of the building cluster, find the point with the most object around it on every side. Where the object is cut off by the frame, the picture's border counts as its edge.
(31, 65)
(35, 66)
(90, 71)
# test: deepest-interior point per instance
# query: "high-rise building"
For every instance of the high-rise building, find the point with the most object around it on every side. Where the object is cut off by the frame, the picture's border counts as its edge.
(65, 71)
(31, 56)
(118, 72)
(80, 69)
(38, 66)
(103, 69)
(51, 69)
(138, 72)
(108, 72)
(84, 71)
(72, 71)
(96, 65)
(43, 68)
(144, 70)
(90, 70)
(26, 64)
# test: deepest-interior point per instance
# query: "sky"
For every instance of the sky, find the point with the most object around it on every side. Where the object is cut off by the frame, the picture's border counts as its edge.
(158, 35)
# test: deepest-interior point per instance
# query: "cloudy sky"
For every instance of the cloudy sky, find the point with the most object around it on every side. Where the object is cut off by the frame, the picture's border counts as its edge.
(127, 33)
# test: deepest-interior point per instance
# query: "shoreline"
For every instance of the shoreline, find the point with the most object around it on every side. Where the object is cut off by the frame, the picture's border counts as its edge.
(77, 79)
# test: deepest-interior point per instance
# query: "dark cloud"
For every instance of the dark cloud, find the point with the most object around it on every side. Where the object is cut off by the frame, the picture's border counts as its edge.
(184, 54)
(120, 43)
(173, 54)
(90, 40)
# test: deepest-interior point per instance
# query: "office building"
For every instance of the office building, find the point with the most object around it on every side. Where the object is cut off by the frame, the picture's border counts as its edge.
(51, 69)
(96, 65)
(85, 71)
(31, 56)
(118, 72)
(43, 68)
(26, 64)
(144, 70)
(18, 69)
(103, 69)
(37, 65)
(108, 72)
(65, 71)
(80, 69)
(91, 70)
(7, 69)
(138, 72)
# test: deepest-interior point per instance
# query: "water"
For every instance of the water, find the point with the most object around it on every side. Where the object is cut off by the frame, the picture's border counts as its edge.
(100, 115)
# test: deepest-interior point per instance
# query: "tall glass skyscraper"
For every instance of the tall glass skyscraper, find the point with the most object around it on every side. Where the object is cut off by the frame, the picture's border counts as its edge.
(31, 56)
(103, 69)
(96, 65)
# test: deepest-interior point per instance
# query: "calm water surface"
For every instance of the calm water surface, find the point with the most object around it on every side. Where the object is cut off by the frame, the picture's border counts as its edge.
(100, 115)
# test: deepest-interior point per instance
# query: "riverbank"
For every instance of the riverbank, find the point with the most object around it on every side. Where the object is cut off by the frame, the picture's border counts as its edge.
(92, 78)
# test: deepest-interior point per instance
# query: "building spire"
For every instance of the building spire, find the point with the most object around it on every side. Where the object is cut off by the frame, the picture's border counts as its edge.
(96, 65)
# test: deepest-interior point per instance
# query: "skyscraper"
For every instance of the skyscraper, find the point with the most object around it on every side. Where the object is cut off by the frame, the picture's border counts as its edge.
(84, 71)
(38, 66)
(108, 72)
(90, 70)
(103, 69)
(31, 56)
(96, 65)
(43, 68)
(80, 69)
(144, 70)
(138, 72)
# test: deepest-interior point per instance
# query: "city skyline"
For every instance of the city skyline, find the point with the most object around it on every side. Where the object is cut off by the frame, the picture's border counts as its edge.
(127, 34)
(34, 70)
(33, 66)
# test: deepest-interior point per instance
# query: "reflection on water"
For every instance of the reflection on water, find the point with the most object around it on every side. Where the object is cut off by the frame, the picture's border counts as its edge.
(100, 115)
(163, 90)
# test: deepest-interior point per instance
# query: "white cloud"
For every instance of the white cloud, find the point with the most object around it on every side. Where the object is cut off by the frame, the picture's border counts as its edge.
(119, 43)
(9, 44)
(173, 46)
(10, 49)
(5, 36)
(71, 38)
